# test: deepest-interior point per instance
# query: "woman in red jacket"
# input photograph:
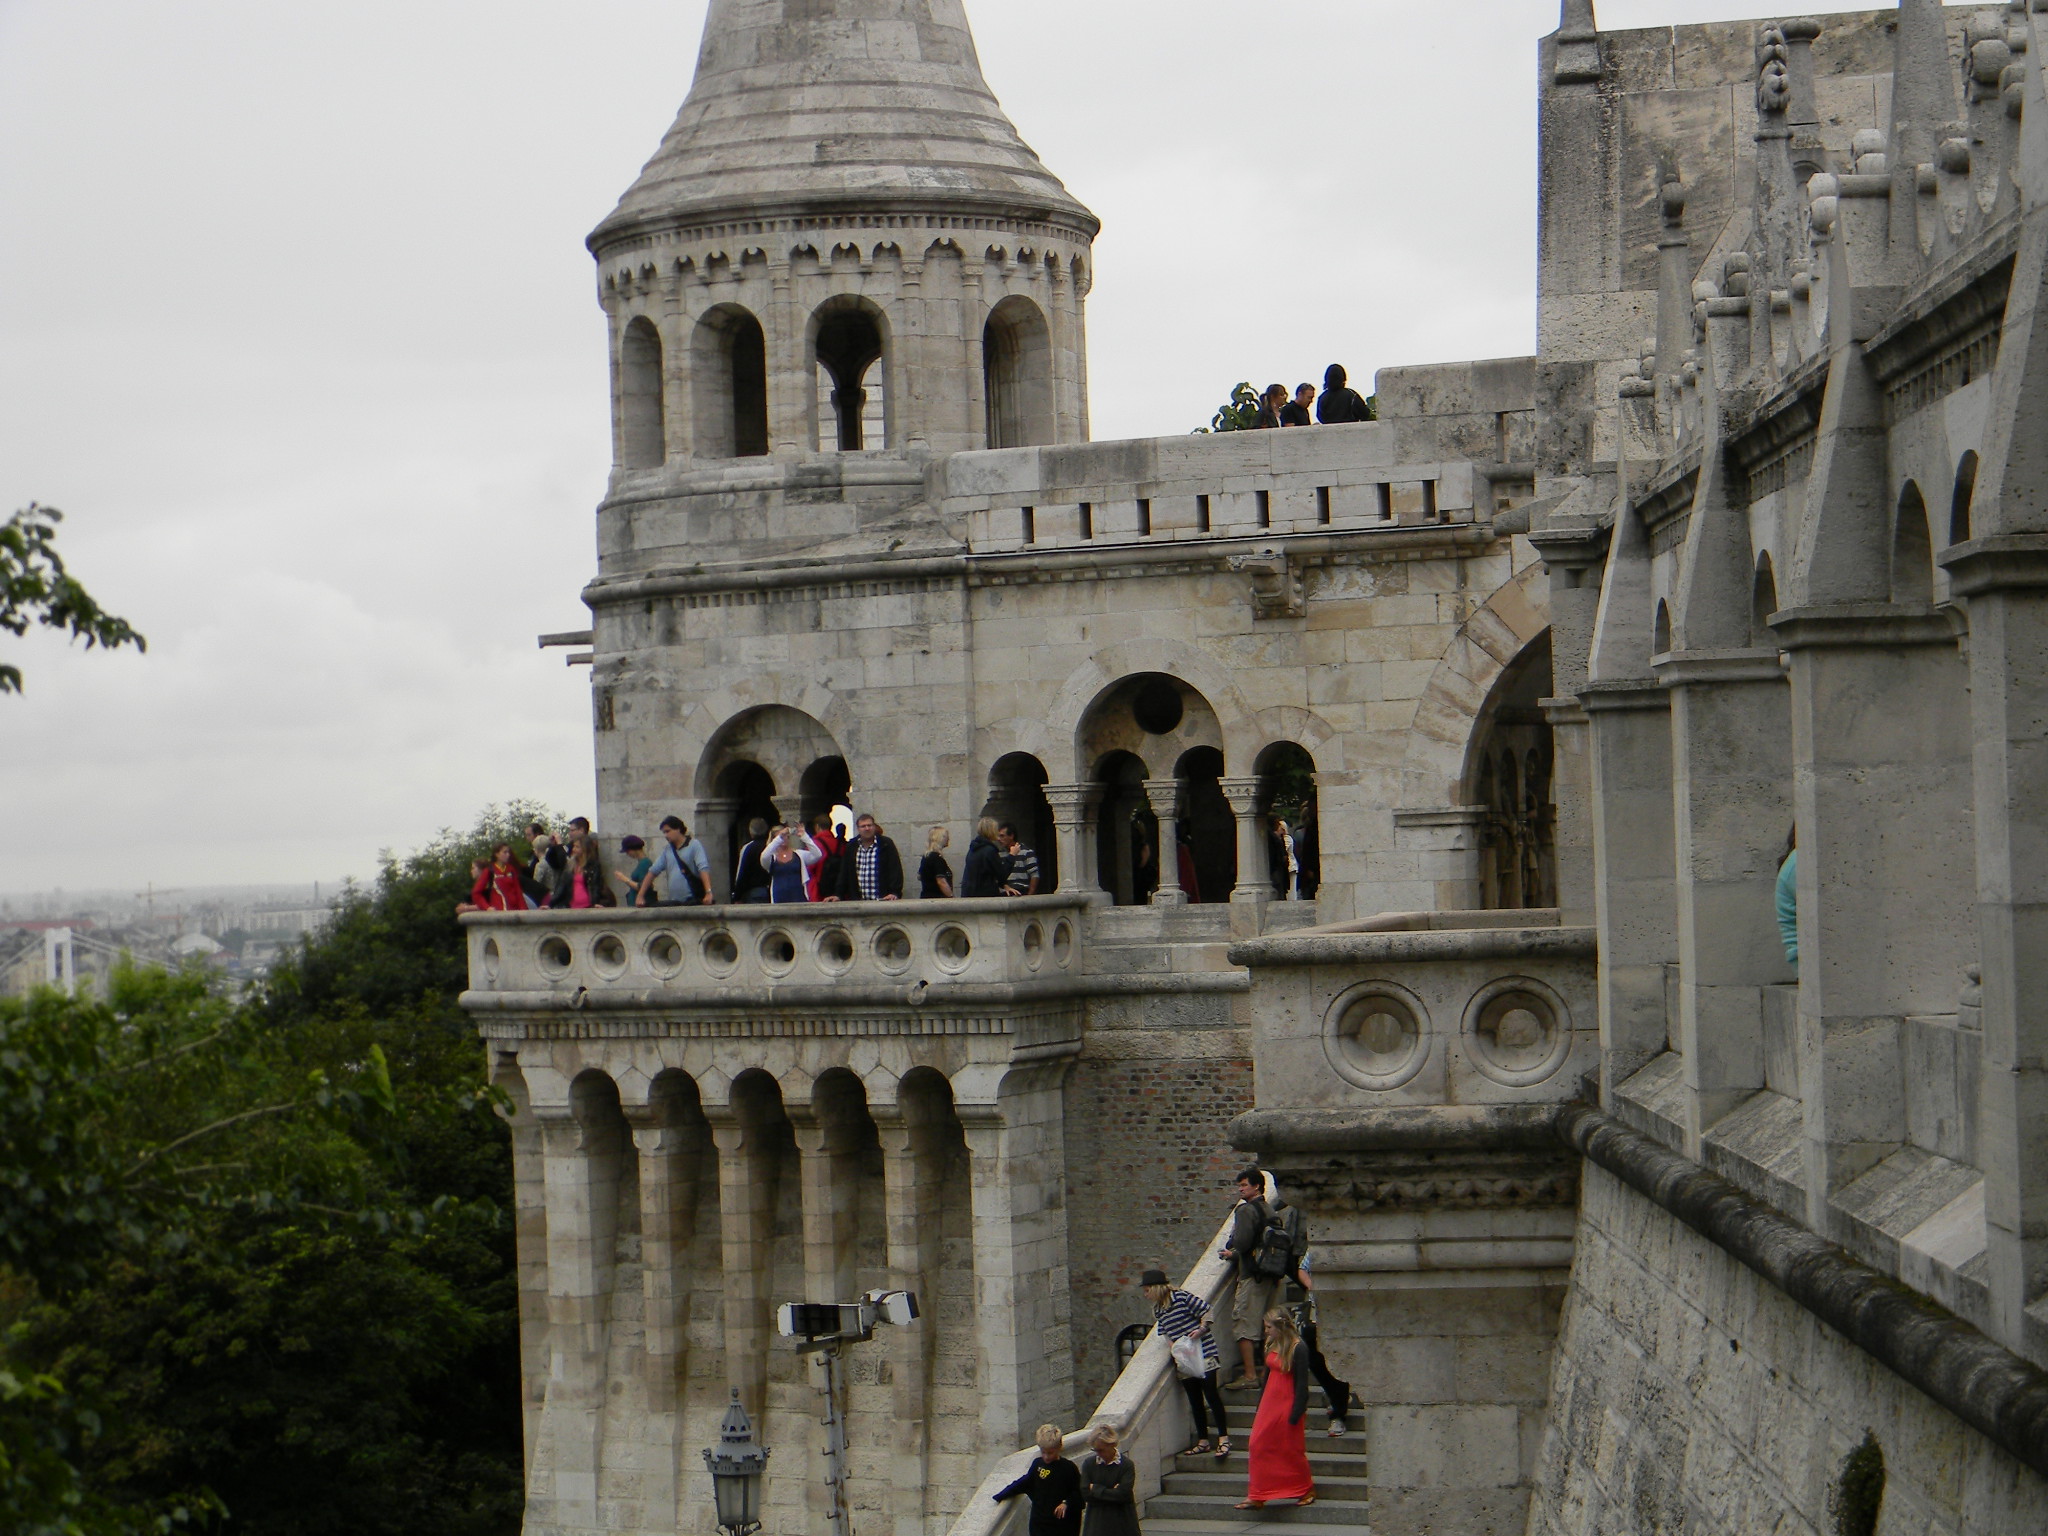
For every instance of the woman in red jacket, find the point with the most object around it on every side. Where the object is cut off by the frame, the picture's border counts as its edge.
(498, 889)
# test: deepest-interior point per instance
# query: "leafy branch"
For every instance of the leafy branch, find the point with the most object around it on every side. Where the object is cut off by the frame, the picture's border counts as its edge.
(35, 588)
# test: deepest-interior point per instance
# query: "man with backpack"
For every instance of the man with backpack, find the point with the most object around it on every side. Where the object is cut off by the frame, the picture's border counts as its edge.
(1251, 1251)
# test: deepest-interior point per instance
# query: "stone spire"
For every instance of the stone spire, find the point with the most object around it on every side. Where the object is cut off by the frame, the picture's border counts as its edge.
(813, 106)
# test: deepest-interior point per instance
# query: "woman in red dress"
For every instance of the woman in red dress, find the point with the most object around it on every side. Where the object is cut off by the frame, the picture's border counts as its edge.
(1279, 1444)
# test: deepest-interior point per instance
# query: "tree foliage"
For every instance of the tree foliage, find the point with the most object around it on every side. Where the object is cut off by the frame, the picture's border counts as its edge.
(36, 589)
(256, 1262)
(1240, 413)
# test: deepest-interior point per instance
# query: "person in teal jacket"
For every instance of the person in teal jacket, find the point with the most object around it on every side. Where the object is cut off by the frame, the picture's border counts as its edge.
(1788, 899)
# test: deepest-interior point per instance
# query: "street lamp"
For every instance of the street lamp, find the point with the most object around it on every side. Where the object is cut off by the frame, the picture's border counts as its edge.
(736, 1468)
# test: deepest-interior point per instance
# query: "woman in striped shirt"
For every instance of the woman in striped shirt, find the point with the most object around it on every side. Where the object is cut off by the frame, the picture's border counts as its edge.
(1179, 1314)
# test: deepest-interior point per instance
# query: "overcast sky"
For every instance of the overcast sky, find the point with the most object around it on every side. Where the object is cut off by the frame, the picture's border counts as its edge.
(297, 327)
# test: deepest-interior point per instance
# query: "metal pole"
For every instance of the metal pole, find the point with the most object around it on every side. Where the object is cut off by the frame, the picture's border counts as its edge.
(839, 1515)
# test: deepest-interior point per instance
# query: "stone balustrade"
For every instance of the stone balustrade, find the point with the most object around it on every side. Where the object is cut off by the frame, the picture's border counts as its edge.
(886, 953)
(1227, 485)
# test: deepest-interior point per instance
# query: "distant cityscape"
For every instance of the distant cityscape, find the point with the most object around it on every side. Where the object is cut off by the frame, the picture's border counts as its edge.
(73, 939)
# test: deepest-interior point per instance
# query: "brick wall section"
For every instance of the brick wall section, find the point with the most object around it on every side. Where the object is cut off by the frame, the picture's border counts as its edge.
(1148, 1174)
(1689, 1394)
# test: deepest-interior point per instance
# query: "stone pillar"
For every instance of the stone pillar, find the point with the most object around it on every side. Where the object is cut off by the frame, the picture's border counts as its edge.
(747, 1193)
(910, 390)
(1164, 794)
(712, 826)
(828, 1162)
(2005, 579)
(1251, 888)
(1022, 1308)
(791, 388)
(1074, 808)
(973, 319)
(530, 1241)
(910, 1182)
(1731, 754)
(583, 1151)
(1881, 775)
(1634, 893)
(671, 1156)
(1574, 553)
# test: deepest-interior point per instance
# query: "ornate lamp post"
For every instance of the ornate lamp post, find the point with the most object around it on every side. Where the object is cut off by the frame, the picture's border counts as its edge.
(736, 1468)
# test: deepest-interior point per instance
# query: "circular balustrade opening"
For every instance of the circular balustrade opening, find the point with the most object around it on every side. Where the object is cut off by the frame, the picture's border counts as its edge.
(1376, 1035)
(892, 950)
(951, 947)
(778, 950)
(1063, 944)
(1517, 1031)
(491, 958)
(721, 951)
(608, 954)
(1034, 946)
(555, 956)
(665, 954)
(835, 950)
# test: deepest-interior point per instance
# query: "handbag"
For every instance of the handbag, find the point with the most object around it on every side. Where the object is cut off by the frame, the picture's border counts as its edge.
(1189, 1358)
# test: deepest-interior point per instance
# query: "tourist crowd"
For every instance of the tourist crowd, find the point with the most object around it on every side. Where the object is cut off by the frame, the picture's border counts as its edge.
(829, 861)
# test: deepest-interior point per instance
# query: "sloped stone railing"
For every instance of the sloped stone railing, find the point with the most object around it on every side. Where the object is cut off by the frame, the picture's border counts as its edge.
(1145, 1403)
(880, 953)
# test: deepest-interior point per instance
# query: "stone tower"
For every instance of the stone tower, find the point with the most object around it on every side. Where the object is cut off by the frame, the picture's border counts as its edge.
(842, 245)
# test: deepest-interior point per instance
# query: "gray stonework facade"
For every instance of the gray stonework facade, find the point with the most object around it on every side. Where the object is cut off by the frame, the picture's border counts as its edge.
(1623, 1221)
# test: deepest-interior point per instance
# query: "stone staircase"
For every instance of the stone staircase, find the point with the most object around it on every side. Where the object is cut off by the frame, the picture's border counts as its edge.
(1198, 1496)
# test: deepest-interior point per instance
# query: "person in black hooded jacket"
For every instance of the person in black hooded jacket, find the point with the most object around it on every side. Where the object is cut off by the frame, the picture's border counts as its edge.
(1053, 1485)
(1340, 403)
(982, 873)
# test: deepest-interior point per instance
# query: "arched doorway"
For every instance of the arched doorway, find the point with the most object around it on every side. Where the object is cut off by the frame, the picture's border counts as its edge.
(1126, 831)
(1016, 795)
(1509, 777)
(729, 382)
(749, 792)
(826, 782)
(1208, 827)
(1287, 794)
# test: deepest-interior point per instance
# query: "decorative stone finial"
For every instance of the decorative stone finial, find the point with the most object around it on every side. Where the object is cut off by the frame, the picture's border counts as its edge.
(1578, 44)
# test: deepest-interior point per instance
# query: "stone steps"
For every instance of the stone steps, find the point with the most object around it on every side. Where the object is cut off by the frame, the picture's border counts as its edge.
(1198, 1495)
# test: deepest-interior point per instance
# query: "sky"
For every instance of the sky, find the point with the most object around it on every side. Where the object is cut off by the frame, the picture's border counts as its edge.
(298, 330)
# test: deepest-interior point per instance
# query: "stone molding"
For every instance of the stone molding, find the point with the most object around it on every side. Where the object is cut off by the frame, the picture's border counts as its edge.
(1626, 696)
(1854, 625)
(1985, 1385)
(1392, 948)
(1680, 669)
(1997, 563)
(1398, 1128)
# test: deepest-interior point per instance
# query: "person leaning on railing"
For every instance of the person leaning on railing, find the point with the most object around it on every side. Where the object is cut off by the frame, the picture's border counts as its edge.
(1182, 1318)
(1052, 1484)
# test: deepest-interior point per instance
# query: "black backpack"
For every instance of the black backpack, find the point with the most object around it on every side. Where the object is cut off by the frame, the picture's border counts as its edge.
(1281, 1243)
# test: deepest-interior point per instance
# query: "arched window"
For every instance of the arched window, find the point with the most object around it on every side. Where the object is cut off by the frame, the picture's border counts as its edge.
(729, 383)
(1016, 797)
(1660, 631)
(1912, 551)
(1763, 601)
(643, 436)
(852, 352)
(1016, 360)
(1966, 491)
(1509, 777)
(826, 782)
(749, 793)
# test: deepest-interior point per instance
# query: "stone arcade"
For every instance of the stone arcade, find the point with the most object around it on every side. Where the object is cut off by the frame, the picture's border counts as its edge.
(1623, 1222)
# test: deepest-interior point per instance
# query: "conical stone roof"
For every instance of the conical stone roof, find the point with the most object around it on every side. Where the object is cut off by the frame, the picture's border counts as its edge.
(822, 106)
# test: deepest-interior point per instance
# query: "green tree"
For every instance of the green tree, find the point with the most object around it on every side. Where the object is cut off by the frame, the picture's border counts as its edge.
(1240, 413)
(36, 589)
(258, 1257)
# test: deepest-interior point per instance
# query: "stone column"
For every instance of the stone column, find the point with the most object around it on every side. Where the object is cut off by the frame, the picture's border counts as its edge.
(530, 1241)
(1251, 887)
(747, 1194)
(671, 1155)
(1574, 553)
(583, 1150)
(1074, 809)
(910, 1182)
(973, 318)
(1022, 1309)
(2005, 579)
(712, 826)
(1164, 794)
(1882, 786)
(1634, 892)
(1731, 754)
(791, 388)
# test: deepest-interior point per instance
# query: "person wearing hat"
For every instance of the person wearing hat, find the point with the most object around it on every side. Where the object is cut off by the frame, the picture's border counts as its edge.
(1109, 1485)
(1177, 1315)
(636, 850)
(1053, 1485)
